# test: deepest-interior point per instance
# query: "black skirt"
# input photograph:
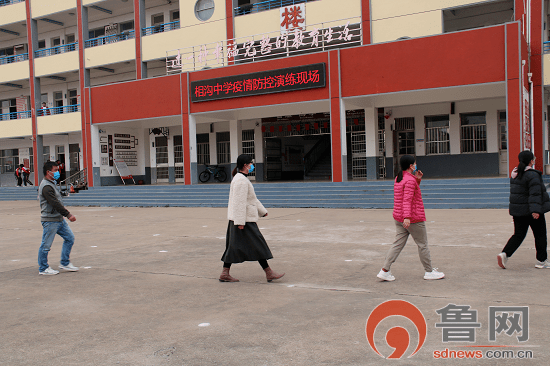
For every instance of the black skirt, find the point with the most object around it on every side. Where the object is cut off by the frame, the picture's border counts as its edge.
(243, 245)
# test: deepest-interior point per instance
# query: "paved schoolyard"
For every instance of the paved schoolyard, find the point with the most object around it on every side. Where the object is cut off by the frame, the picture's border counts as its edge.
(147, 292)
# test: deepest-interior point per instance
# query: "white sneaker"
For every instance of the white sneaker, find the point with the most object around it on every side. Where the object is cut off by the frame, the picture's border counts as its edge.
(49, 272)
(386, 276)
(434, 275)
(502, 258)
(69, 267)
(544, 264)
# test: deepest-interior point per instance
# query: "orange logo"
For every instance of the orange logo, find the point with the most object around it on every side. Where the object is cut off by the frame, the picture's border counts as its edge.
(397, 337)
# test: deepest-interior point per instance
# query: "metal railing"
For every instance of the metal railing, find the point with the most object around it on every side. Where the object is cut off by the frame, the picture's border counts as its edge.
(14, 58)
(266, 5)
(15, 115)
(78, 181)
(160, 28)
(9, 2)
(546, 46)
(99, 41)
(59, 110)
(264, 46)
(56, 50)
(315, 153)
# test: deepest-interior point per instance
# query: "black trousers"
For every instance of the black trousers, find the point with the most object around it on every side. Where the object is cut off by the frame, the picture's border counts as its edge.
(521, 225)
(263, 263)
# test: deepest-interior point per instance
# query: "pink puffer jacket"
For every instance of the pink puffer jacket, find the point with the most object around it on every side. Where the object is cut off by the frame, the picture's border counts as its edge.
(407, 200)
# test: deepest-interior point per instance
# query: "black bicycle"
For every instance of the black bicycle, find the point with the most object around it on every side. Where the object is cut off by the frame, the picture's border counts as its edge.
(216, 170)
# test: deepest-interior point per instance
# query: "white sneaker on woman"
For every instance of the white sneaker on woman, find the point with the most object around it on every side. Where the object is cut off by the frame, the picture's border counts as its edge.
(434, 275)
(502, 258)
(544, 264)
(386, 276)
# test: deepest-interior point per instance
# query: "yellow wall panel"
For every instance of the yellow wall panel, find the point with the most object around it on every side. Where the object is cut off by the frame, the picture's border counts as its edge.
(546, 68)
(56, 64)
(258, 23)
(382, 9)
(41, 8)
(59, 123)
(16, 128)
(188, 18)
(156, 45)
(14, 71)
(110, 53)
(417, 25)
(332, 12)
(13, 13)
(90, 2)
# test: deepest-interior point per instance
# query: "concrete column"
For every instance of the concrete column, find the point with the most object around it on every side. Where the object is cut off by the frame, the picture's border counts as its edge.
(213, 146)
(39, 157)
(454, 131)
(236, 136)
(96, 158)
(343, 139)
(171, 160)
(152, 158)
(371, 141)
(193, 149)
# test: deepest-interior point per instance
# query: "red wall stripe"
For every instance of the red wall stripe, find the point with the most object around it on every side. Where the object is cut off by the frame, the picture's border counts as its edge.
(137, 27)
(514, 94)
(423, 63)
(32, 91)
(229, 23)
(334, 80)
(365, 20)
(146, 98)
(537, 78)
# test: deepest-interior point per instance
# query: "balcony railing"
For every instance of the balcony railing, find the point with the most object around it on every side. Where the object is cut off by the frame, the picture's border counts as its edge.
(59, 110)
(546, 47)
(15, 115)
(56, 50)
(14, 58)
(266, 5)
(9, 2)
(94, 42)
(160, 28)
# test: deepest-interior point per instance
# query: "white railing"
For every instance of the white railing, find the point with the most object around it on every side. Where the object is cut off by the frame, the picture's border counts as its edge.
(312, 38)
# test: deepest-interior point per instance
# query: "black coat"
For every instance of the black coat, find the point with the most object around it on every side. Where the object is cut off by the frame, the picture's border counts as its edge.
(528, 194)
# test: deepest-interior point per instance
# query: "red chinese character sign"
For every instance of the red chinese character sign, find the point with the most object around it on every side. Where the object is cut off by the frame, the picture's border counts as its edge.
(265, 82)
(293, 17)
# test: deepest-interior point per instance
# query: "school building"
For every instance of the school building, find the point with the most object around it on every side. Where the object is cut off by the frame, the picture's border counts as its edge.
(330, 90)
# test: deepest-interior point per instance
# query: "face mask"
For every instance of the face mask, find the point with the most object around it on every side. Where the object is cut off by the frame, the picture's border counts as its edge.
(56, 175)
(251, 169)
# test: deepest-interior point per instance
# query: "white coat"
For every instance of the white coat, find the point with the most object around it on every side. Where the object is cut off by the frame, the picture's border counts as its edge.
(243, 204)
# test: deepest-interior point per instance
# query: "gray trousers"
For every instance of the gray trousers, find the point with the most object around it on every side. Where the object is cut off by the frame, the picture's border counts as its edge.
(418, 232)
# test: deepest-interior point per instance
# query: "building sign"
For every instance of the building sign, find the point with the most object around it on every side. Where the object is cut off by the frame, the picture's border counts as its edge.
(526, 120)
(265, 82)
(295, 40)
(293, 17)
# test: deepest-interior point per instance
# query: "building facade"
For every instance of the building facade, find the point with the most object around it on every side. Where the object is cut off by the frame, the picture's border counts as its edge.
(315, 90)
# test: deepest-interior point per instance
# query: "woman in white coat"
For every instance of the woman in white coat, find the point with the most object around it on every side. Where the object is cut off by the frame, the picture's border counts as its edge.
(244, 241)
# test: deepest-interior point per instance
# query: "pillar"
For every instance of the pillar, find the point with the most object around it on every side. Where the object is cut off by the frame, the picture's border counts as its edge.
(194, 178)
(236, 137)
(259, 151)
(371, 142)
(336, 120)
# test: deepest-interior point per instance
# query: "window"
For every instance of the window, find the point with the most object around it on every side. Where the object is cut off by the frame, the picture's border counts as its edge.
(174, 15)
(437, 135)
(203, 148)
(127, 26)
(95, 33)
(204, 9)
(41, 44)
(248, 145)
(473, 132)
(224, 148)
(9, 160)
(57, 102)
(46, 153)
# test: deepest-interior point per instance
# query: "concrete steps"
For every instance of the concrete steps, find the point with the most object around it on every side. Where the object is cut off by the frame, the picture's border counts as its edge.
(436, 193)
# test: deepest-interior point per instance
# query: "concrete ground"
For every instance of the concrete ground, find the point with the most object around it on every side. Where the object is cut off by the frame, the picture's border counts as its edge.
(147, 292)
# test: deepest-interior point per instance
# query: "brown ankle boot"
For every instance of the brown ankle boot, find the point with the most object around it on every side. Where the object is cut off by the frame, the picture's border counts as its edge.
(225, 277)
(270, 275)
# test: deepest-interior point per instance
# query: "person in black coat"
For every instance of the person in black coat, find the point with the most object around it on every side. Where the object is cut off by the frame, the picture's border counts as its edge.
(529, 202)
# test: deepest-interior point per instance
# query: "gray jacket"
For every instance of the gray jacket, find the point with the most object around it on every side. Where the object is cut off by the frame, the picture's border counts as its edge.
(51, 202)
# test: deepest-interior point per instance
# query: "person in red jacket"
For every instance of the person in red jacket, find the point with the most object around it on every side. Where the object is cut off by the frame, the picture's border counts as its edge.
(409, 216)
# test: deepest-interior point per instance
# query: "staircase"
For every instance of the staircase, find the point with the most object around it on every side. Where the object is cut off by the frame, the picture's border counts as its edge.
(322, 169)
(436, 193)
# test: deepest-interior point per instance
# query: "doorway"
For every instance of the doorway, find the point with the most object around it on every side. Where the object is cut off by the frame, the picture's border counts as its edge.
(74, 159)
(502, 143)
(403, 140)
(161, 146)
(178, 159)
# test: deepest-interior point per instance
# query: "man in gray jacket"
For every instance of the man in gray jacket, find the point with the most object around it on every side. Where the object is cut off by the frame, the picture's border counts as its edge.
(52, 212)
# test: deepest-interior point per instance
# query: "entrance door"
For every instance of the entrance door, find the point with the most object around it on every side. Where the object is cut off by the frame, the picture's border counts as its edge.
(74, 158)
(403, 137)
(502, 143)
(161, 146)
(60, 156)
(178, 158)
(273, 163)
(358, 154)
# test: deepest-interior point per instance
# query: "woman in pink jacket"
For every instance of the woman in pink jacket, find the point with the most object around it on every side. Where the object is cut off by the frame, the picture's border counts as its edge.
(408, 212)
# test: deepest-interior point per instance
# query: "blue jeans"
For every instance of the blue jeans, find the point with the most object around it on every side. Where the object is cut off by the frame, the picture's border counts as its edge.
(50, 229)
